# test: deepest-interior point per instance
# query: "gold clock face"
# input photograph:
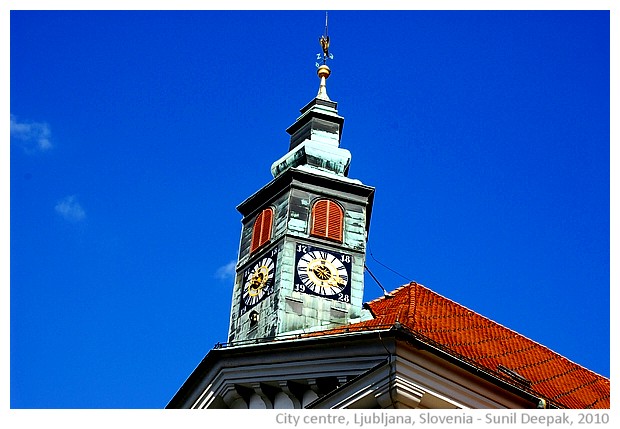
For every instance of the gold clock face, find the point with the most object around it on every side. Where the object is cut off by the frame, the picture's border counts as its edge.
(323, 272)
(258, 281)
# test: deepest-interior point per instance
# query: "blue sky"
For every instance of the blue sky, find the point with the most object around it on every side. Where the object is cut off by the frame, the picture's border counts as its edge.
(135, 134)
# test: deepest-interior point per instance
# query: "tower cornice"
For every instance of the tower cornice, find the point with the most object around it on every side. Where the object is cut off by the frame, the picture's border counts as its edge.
(342, 187)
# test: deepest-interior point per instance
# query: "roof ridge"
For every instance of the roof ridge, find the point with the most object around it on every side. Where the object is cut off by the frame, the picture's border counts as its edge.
(413, 303)
(381, 298)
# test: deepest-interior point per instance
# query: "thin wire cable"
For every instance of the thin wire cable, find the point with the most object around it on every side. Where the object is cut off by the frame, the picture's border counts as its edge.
(386, 267)
(385, 293)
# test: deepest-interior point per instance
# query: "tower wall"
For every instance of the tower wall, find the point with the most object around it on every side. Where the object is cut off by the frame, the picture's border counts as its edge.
(290, 308)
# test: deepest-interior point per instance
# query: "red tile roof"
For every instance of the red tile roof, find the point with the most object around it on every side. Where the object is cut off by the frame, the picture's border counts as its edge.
(487, 345)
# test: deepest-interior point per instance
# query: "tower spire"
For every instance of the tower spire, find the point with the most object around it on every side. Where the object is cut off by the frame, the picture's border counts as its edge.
(323, 70)
(315, 135)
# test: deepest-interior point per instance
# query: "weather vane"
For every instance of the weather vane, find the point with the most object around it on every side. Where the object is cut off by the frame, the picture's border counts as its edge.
(324, 41)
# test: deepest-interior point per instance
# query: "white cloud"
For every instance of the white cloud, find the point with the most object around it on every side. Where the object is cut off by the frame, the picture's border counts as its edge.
(31, 136)
(227, 271)
(70, 209)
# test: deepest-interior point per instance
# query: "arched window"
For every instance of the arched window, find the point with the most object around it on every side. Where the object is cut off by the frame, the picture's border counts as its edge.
(327, 220)
(261, 232)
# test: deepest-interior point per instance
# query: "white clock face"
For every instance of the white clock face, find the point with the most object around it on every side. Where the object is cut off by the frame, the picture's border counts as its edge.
(258, 281)
(322, 272)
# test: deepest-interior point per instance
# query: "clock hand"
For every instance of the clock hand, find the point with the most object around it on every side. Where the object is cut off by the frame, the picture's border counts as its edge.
(322, 272)
(257, 280)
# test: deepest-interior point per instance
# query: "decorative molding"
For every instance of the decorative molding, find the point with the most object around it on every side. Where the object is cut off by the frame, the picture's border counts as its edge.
(399, 393)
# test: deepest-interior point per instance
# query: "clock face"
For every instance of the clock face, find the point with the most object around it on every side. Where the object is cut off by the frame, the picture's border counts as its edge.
(258, 280)
(323, 272)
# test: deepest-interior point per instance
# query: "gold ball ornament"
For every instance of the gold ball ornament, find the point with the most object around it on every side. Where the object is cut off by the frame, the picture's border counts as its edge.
(323, 71)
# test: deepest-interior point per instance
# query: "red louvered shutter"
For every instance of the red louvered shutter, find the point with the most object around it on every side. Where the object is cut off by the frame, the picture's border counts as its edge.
(334, 221)
(319, 218)
(327, 220)
(256, 233)
(261, 232)
(265, 234)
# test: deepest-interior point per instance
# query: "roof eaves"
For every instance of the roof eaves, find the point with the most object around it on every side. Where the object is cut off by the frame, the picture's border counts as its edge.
(476, 369)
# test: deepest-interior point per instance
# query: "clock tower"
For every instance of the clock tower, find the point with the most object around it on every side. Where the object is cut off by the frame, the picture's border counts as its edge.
(303, 240)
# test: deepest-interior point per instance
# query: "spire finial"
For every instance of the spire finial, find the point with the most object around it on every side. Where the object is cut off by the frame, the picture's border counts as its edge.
(323, 70)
